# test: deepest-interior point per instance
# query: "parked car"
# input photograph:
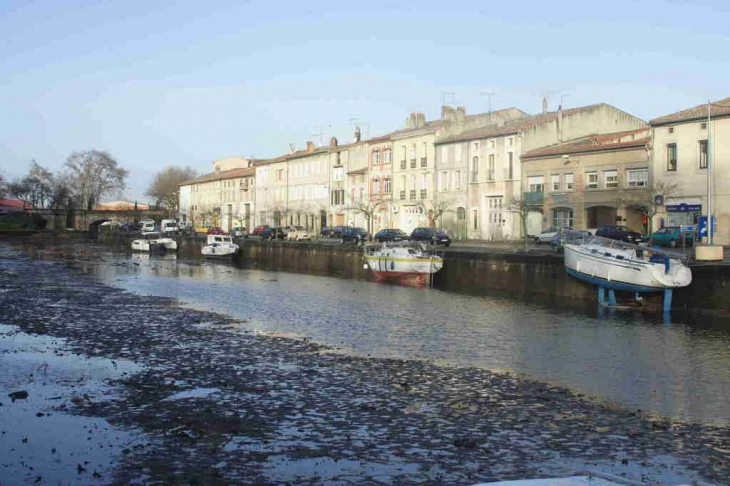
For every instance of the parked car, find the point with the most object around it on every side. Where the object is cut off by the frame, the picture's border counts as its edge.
(620, 233)
(298, 233)
(336, 231)
(673, 236)
(390, 235)
(547, 235)
(147, 225)
(353, 235)
(214, 230)
(325, 233)
(130, 227)
(169, 226)
(273, 233)
(239, 232)
(260, 229)
(430, 235)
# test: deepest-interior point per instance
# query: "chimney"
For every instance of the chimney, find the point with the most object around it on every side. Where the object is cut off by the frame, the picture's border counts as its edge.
(292, 148)
(333, 142)
(544, 105)
(460, 114)
(421, 119)
(357, 134)
(448, 114)
(310, 146)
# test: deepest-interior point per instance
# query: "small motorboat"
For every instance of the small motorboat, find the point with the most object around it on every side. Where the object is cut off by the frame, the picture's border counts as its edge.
(402, 262)
(153, 241)
(219, 246)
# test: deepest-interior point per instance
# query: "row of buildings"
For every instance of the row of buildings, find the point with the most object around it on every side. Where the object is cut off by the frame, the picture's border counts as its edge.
(460, 172)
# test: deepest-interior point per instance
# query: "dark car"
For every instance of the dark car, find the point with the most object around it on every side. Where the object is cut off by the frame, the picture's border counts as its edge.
(216, 231)
(673, 236)
(325, 233)
(336, 231)
(353, 235)
(273, 234)
(390, 235)
(259, 229)
(620, 233)
(430, 235)
(130, 227)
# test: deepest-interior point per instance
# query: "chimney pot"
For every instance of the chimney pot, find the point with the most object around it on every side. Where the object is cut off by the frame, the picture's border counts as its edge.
(310, 146)
(333, 142)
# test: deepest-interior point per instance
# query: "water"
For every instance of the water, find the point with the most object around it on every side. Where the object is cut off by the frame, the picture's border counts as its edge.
(679, 369)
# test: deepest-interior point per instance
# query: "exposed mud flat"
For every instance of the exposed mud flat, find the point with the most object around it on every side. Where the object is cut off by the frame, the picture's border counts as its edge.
(204, 401)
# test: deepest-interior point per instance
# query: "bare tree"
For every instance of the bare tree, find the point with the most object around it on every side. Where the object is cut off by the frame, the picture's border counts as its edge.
(368, 209)
(281, 213)
(436, 209)
(166, 184)
(94, 174)
(519, 205)
(21, 189)
(3, 186)
(645, 201)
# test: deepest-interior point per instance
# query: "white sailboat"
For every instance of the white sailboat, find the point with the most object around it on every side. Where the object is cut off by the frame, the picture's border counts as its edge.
(616, 265)
(219, 246)
(403, 262)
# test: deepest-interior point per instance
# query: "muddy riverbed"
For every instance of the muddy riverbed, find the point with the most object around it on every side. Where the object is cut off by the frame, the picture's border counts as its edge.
(123, 388)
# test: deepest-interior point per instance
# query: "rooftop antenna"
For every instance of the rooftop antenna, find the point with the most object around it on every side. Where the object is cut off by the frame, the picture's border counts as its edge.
(562, 96)
(321, 133)
(445, 95)
(488, 95)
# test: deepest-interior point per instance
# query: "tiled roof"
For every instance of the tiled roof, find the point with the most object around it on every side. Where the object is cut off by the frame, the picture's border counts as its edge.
(221, 175)
(120, 206)
(515, 126)
(719, 108)
(14, 204)
(592, 143)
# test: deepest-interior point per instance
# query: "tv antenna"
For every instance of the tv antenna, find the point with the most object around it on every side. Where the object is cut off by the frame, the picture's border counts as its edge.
(320, 133)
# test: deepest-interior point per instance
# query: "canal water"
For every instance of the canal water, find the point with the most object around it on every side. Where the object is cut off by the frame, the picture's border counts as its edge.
(678, 368)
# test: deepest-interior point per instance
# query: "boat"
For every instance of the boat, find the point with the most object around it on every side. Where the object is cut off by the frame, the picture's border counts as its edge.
(153, 241)
(219, 246)
(579, 478)
(615, 265)
(408, 263)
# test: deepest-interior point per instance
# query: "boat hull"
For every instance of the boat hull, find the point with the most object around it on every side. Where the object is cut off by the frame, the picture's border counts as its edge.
(620, 270)
(220, 252)
(410, 279)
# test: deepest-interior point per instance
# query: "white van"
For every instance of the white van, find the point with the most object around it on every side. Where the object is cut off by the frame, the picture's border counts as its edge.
(169, 226)
(147, 225)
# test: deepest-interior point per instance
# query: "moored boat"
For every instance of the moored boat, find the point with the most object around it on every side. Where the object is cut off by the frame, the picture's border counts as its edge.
(219, 246)
(152, 241)
(406, 263)
(616, 265)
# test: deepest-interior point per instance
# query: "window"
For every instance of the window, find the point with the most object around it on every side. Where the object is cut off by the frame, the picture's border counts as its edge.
(376, 186)
(475, 217)
(458, 180)
(376, 157)
(280, 175)
(671, 129)
(703, 126)
(388, 156)
(475, 169)
(637, 178)
(457, 155)
(490, 176)
(476, 146)
(672, 157)
(386, 186)
(536, 184)
(491, 144)
(592, 180)
(510, 173)
(413, 152)
(510, 142)
(703, 154)
(568, 182)
(610, 178)
(555, 180)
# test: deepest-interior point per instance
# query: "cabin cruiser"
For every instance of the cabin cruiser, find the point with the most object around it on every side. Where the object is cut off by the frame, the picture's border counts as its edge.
(153, 241)
(409, 263)
(219, 246)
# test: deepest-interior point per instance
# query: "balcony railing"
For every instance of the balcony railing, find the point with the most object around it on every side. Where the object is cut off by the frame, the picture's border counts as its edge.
(402, 164)
(534, 198)
(413, 194)
(403, 194)
(424, 161)
(413, 163)
(424, 193)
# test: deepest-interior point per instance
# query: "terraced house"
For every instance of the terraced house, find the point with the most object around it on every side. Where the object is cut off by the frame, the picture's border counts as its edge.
(686, 144)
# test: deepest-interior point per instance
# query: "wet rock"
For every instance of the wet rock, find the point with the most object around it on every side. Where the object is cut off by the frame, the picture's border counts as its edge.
(18, 395)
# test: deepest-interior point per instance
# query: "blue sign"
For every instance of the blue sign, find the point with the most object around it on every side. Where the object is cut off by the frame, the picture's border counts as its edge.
(659, 200)
(684, 207)
(703, 226)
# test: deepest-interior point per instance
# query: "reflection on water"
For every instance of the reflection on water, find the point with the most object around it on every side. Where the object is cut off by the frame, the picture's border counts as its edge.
(679, 369)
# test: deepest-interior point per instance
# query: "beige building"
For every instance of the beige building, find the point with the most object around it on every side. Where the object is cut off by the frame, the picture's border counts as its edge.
(271, 191)
(222, 198)
(680, 155)
(379, 179)
(414, 152)
(495, 173)
(581, 183)
(307, 187)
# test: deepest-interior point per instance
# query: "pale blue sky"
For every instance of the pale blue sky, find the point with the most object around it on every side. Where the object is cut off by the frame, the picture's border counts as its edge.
(193, 81)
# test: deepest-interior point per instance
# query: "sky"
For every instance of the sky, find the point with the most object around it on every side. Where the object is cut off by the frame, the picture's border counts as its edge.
(184, 83)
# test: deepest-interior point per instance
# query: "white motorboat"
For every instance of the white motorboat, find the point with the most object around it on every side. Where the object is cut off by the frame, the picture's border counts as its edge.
(615, 265)
(403, 262)
(153, 241)
(219, 246)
